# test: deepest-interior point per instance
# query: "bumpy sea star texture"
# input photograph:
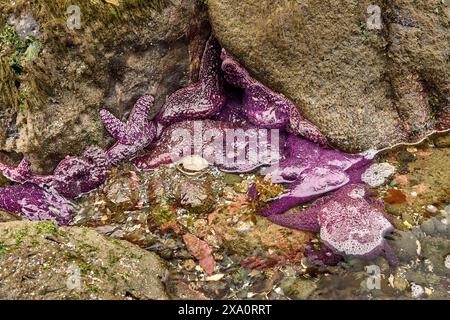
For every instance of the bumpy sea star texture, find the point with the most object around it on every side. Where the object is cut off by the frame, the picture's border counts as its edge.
(266, 108)
(36, 203)
(200, 100)
(349, 222)
(132, 136)
(239, 130)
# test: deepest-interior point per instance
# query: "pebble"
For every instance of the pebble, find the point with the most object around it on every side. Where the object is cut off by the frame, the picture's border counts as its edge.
(431, 209)
(417, 291)
(215, 277)
(447, 261)
(189, 264)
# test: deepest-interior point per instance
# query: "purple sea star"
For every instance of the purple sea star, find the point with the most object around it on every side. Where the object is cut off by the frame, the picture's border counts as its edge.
(313, 171)
(202, 99)
(132, 136)
(266, 108)
(349, 222)
(232, 135)
(46, 197)
(36, 203)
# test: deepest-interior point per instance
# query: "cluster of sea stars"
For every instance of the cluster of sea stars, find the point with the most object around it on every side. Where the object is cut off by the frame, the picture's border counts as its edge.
(225, 98)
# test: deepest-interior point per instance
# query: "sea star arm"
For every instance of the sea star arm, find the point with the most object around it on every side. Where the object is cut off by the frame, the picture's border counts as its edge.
(312, 183)
(139, 113)
(202, 99)
(22, 173)
(305, 220)
(324, 257)
(114, 126)
(135, 135)
(35, 203)
(390, 255)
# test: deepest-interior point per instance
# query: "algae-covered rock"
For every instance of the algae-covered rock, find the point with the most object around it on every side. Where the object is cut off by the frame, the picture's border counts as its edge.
(42, 261)
(55, 76)
(362, 86)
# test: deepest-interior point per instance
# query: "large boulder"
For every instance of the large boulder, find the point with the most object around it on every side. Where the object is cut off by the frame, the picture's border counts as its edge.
(54, 79)
(38, 260)
(363, 87)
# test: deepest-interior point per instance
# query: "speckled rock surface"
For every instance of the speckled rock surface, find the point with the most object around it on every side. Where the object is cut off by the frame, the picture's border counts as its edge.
(41, 261)
(50, 98)
(361, 87)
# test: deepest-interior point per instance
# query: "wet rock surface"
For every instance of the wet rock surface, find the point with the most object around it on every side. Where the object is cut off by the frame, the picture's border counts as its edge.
(56, 79)
(400, 70)
(41, 261)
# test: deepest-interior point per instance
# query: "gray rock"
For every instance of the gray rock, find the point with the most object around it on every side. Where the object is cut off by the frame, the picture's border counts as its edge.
(436, 249)
(405, 246)
(363, 88)
(41, 261)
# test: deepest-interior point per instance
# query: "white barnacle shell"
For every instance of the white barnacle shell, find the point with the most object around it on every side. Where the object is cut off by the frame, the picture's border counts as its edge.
(192, 165)
(377, 174)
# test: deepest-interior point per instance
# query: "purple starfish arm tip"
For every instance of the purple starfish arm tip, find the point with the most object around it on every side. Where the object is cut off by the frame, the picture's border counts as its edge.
(134, 135)
(348, 223)
(351, 225)
(324, 257)
(202, 99)
(35, 203)
(312, 183)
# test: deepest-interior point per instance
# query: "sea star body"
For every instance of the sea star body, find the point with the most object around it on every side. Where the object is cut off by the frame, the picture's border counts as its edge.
(239, 130)
(349, 222)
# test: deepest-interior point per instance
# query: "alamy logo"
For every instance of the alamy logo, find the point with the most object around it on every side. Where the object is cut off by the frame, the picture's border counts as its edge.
(234, 146)
(73, 17)
(74, 278)
(374, 20)
(374, 281)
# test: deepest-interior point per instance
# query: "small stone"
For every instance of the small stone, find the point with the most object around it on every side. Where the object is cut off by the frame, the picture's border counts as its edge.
(431, 209)
(189, 264)
(447, 261)
(417, 291)
(195, 196)
(411, 149)
(192, 165)
(215, 277)
(428, 291)
(278, 290)
(231, 179)
(400, 283)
